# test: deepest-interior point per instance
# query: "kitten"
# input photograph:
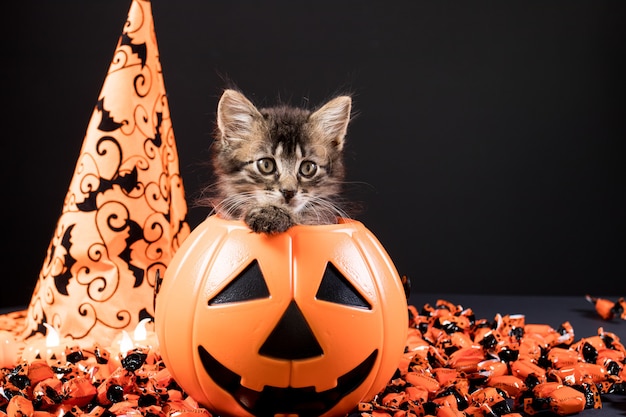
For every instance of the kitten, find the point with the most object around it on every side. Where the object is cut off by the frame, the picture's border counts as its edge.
(280, 166)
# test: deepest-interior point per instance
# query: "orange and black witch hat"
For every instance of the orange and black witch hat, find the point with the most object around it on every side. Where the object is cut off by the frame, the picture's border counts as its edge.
(124, 214)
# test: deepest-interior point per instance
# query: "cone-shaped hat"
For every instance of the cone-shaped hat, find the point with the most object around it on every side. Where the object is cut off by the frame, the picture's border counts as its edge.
(124, 214)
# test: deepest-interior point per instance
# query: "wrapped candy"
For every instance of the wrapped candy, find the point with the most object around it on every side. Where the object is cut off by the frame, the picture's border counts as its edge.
(608, 309)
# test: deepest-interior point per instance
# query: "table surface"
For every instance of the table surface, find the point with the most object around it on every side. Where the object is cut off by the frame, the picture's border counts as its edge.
(550, 310)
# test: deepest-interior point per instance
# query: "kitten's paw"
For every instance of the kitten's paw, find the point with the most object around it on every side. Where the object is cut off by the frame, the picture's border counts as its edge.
(269, 219)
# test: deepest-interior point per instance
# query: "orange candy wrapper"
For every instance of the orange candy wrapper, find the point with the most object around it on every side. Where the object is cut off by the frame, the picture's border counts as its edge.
(608, 309)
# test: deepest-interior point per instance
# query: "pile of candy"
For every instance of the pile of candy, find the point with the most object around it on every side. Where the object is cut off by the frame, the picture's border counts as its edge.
(454, 366)
(88, 383)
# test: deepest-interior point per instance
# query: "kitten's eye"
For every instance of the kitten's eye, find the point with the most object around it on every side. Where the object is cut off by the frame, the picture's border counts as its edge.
(266, 166)
(308, 169)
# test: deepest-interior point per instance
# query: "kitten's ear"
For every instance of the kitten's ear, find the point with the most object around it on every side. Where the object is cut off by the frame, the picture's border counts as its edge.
(331, 120)
(235, 115)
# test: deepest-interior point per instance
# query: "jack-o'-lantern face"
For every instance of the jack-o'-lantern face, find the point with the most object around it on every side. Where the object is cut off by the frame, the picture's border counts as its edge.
(308, 322)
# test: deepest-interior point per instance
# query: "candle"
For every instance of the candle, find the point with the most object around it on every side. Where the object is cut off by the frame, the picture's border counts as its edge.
(50, 348)
(141, 338)
(146, 341)
(119, 348)
(10, 349)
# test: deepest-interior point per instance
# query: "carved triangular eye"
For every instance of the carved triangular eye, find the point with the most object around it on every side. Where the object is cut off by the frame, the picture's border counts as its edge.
(248, 285)
(335, 288)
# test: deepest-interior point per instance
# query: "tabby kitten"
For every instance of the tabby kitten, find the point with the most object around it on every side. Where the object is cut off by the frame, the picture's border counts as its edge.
(280, 166)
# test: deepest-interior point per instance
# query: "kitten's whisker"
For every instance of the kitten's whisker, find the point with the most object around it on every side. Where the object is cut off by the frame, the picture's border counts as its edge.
(230, 206)
(322, 210)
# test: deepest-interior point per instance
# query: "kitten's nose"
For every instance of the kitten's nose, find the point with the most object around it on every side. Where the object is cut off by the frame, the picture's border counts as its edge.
(288, 194)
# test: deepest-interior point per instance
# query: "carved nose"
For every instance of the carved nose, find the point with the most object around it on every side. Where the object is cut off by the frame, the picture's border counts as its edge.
(292, 337)
(288, 194)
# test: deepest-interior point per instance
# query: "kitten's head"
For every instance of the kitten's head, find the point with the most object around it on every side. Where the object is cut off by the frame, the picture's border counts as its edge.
(282, 156)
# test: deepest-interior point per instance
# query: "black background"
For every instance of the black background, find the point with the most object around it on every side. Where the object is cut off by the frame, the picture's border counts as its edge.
(488, 149)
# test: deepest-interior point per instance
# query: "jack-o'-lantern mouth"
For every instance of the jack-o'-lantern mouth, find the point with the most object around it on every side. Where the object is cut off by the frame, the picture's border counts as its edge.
(304, 402)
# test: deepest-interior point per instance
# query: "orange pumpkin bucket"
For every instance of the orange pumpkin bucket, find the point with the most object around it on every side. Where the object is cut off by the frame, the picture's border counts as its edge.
(311, 321)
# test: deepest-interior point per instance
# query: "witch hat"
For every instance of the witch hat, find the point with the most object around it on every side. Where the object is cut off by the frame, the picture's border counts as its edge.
(124, 214)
